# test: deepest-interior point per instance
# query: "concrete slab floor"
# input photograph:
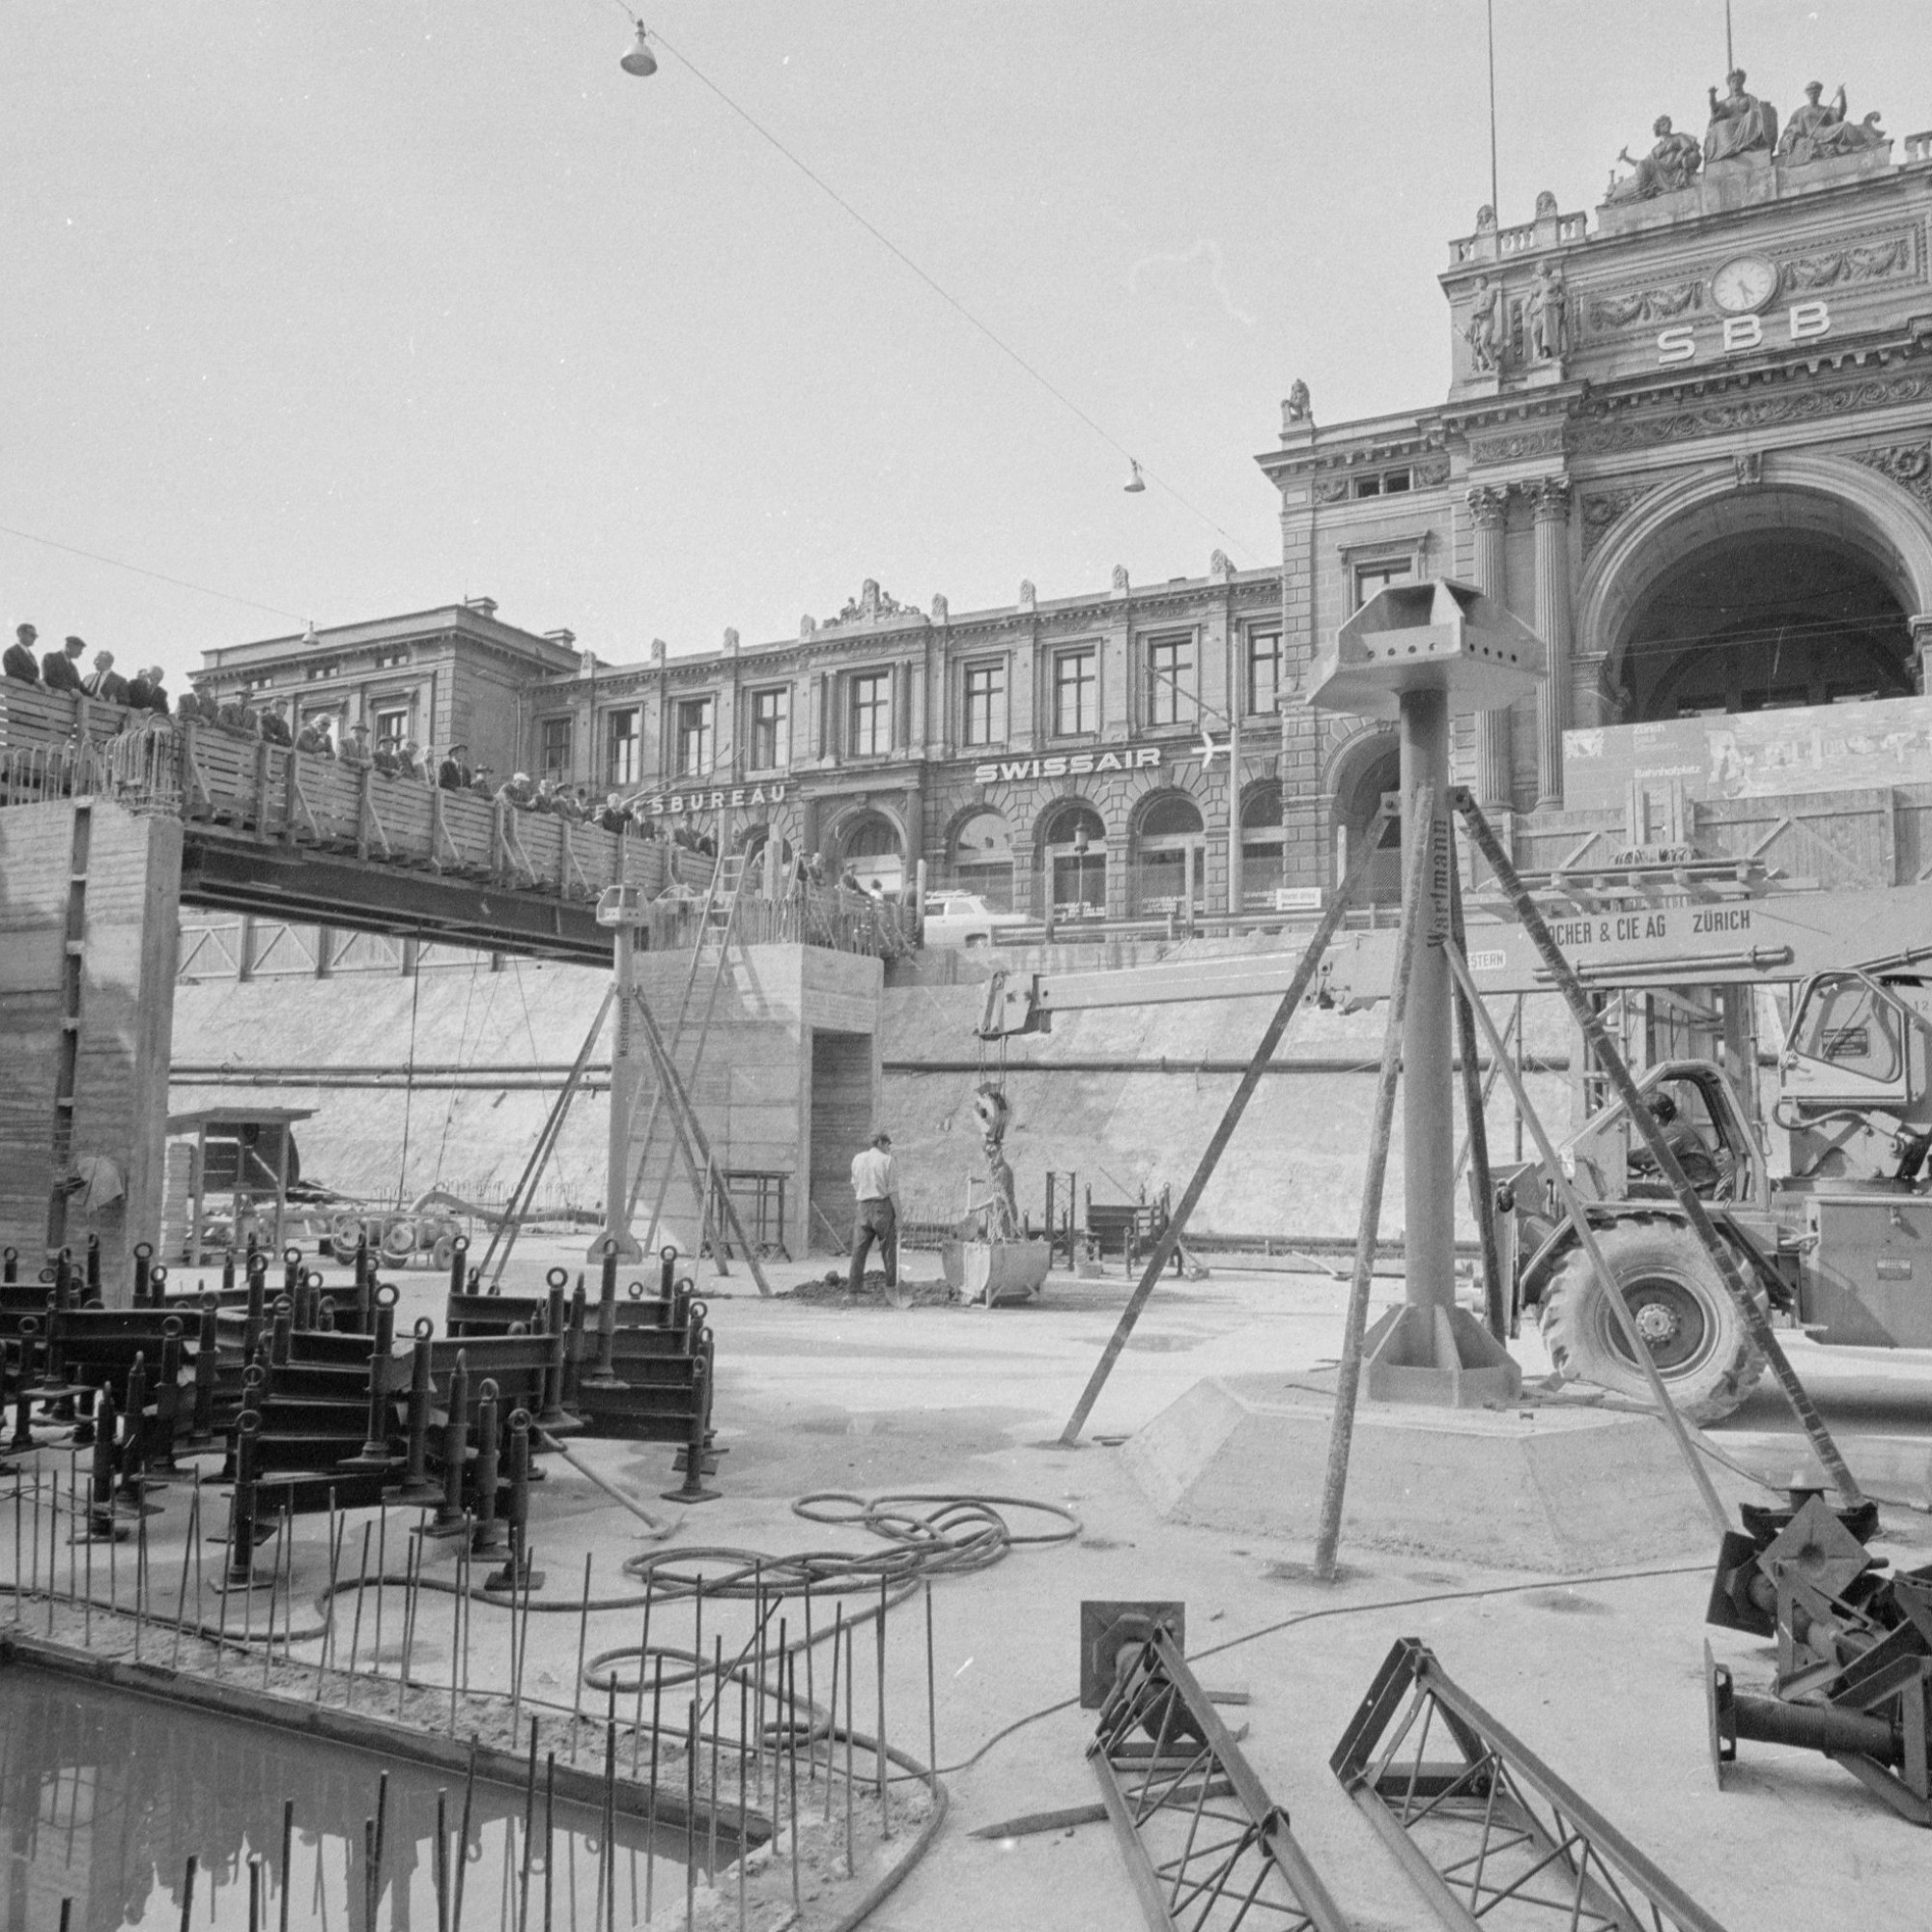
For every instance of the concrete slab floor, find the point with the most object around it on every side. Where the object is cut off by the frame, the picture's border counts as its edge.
(1602, 1676)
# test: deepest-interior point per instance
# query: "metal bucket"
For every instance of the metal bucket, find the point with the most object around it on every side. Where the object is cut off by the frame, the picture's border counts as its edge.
(1000, 1272)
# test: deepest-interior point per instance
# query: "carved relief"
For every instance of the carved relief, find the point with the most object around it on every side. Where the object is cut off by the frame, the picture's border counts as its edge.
(1119, 577)
(1330, 489)
(1432, 472)
(1641, 305)
(1603, 507)
(1547, 440)
(1909, 463)
(1759, 412)
(1873, 261)
(1747, 468)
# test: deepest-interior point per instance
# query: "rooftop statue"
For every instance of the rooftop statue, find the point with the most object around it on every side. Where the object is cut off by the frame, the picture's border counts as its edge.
(1819, 130)
(1486, 328)
(1740, 124)
(1547, 315)
(1666, 168)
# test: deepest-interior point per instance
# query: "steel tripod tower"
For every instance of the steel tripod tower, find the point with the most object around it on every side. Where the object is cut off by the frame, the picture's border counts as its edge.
(1420, 654)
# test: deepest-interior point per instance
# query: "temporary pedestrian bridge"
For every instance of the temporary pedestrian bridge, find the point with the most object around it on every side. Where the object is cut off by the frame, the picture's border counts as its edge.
(111, 820)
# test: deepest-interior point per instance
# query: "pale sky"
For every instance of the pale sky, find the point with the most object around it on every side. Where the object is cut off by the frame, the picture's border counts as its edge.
(358, 306)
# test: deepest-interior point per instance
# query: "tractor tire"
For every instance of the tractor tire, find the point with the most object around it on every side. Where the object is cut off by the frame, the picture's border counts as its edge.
(1697, 1334)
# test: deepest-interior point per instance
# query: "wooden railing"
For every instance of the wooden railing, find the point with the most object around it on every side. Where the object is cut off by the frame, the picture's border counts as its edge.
(231, 786)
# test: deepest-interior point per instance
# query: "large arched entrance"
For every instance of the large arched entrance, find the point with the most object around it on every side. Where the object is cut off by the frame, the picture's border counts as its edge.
(1793, 588)
(1760, 621)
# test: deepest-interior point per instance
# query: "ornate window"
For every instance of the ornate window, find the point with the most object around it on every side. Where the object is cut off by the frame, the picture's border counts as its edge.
(620, 747)
(1171, 695)
(694, 737)
(871, 734)
(1261, 677)
(771, 728)
(1076, 692)
(986, 695)
(1378, 573)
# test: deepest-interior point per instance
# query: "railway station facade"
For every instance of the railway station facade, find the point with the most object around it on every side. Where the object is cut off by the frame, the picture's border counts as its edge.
(1687, 438)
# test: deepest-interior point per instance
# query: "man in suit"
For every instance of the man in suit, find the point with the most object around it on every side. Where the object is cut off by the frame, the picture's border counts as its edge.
(275, 726)
(145, 692)
(60, 670)
(107, 684)
(21, 661)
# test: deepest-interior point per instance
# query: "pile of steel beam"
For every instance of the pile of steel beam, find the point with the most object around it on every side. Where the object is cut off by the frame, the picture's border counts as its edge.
(1853, 1677)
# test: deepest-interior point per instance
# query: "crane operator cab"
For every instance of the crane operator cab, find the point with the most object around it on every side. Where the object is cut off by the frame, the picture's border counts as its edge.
(1851, 1084)
(1702, 1124)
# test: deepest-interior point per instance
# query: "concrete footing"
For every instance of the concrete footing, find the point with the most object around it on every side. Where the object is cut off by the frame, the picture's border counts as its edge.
(1549, 1489)
(1440, 1356)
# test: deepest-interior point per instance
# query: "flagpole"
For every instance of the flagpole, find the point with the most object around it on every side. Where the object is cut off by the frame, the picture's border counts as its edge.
(1496, 197)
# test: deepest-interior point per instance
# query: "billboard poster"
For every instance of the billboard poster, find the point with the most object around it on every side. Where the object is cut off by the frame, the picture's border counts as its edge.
(1753, 753)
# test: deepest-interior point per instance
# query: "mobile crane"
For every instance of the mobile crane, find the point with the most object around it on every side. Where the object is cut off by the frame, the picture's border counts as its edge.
(1839, 1243)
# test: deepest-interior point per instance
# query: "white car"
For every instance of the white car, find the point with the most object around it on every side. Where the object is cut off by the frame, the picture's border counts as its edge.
(965, 918)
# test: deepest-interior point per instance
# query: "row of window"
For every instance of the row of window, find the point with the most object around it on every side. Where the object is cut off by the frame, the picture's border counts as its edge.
(1171, 695)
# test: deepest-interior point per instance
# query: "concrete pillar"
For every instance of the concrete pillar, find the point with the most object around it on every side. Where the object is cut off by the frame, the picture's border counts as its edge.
(1488, 508)
(1552, 500)
(86, 1034)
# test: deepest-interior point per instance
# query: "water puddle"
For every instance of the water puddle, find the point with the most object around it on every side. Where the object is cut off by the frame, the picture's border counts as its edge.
(104, 1795)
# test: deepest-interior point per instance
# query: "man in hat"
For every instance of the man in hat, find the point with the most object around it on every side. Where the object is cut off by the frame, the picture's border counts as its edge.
(275, 726)
(356, 750)
(450, 774)
(409, 761)
(875, 1182)
(21, 661)
(61, 668)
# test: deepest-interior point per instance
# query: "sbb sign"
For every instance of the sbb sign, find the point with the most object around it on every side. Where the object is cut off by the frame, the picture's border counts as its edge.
(1804, 322)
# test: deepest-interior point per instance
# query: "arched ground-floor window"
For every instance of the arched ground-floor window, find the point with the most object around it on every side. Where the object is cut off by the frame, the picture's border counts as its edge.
(1169, 855)
(1073, 859)
(981, 858)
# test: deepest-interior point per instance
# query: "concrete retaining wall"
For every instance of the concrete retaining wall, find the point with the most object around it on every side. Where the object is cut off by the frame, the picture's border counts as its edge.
(1293, 1167)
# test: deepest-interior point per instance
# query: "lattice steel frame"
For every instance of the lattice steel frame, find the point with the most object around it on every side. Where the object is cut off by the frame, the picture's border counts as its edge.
(1492, 1837)
(1205, 1844)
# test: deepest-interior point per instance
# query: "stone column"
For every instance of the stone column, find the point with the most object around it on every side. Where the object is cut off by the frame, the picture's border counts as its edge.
(1921, 650)
(1487, 508)
(1551, 498)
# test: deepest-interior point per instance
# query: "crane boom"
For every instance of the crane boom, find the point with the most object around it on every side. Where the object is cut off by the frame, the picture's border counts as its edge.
(1640, 939)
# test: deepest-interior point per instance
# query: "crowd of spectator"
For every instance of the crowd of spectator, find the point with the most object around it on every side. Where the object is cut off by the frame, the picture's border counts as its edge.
(60, 670)
(270, 723)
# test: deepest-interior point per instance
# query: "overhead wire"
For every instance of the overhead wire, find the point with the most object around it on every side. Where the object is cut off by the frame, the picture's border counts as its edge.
(945, 295)
(141, 570)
